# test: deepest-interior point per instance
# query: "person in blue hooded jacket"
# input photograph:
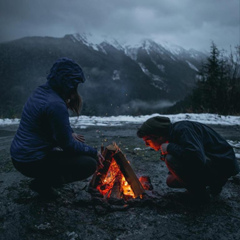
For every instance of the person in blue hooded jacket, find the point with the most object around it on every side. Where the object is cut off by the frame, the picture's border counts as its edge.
(196, 156)
(44, 129)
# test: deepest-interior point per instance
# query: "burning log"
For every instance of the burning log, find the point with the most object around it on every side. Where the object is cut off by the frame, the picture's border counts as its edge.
(100, 175)
(116, 180)
(117, 188)
(129, 174)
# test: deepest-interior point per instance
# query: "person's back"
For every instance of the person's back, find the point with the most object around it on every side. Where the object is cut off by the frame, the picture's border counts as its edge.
(195, 154)
(201, 141)
(34, 137)
(45, 125)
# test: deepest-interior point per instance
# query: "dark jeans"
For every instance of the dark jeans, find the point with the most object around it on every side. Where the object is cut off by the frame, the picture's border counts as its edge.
(58, 168)
(193, 177)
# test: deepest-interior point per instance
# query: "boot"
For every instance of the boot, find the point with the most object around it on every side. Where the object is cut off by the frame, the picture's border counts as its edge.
(43, 189)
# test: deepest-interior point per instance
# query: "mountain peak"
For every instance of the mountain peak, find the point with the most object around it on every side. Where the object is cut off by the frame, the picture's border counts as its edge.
(127, 70)
(130, 48)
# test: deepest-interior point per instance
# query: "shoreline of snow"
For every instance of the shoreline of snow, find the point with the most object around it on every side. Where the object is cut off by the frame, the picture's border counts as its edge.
(84, 122)
(111, 121)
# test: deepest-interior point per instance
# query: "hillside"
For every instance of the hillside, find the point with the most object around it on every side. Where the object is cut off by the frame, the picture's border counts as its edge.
(137, 79)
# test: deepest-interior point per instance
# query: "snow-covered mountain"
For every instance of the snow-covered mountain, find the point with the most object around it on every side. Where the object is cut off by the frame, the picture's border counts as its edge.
(148, 44)
(136, 78)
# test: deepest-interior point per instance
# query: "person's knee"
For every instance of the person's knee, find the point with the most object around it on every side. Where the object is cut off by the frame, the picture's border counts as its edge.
(173, 182)
(170, 160)
(89, 164)
(83, 168)
(92, 165)
(170, 179)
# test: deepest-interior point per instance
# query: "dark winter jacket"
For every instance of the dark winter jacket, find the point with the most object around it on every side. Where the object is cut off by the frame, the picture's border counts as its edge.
(45, 119)
(193, 141)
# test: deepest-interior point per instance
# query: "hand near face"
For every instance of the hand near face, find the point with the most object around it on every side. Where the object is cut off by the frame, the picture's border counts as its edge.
(155, 142)
(163, 148)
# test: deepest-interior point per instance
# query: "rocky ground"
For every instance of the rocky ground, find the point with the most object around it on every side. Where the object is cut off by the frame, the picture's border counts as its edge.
(166, 214)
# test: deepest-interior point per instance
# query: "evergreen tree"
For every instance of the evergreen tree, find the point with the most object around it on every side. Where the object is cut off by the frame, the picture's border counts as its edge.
(215, 88)
(218, 85)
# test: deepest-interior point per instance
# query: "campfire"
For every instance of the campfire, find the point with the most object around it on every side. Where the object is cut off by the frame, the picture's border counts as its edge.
(117, 180)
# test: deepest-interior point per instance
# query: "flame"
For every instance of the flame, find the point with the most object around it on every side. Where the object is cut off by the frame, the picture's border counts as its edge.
(107, 184)
(127, 190)
(114, 184)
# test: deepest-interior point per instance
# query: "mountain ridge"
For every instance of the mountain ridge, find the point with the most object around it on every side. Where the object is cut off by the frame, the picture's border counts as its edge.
(120, 77)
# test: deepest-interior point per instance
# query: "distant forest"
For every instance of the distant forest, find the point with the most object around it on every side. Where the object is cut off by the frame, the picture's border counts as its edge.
(218, 85)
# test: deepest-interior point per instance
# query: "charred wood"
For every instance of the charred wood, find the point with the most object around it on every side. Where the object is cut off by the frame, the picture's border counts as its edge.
(101, 173)
(128, 173)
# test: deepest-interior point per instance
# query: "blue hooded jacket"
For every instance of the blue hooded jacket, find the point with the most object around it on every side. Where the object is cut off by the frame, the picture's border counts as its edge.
(45, 119)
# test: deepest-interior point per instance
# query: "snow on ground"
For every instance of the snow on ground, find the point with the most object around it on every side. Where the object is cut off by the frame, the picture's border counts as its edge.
(121, 120)
(8, 121)
(85, 121)
(236, 147)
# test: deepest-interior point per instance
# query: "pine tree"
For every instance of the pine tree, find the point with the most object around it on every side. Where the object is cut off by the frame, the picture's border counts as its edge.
(234, 81)
(210, 94)
(218, 85)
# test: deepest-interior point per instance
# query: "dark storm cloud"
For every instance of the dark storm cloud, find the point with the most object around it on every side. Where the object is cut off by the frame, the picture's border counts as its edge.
(188, 23)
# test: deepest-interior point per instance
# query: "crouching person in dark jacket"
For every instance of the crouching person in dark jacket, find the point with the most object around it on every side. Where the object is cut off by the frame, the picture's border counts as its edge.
(44, 129)
(195, 155)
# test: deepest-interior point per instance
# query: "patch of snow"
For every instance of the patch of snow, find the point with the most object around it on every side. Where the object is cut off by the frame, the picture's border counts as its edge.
(8, 121)
(236, 147)
(158, 82)
(115, 43)
(86, 39)
(172, 48)
(43, 226)
(94, 41)
(144, 69)
(157, 78)
(192, 66)
(137, 149)
(116, 75)
(157, 86)
(131, 52)
(100, 48)
(161, 67)
(235, 144)
(237, 155)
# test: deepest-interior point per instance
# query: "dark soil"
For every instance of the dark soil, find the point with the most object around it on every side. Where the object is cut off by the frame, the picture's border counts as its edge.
(165, 214)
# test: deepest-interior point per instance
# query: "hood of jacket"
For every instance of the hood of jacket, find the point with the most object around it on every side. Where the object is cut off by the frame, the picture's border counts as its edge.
(64, 76)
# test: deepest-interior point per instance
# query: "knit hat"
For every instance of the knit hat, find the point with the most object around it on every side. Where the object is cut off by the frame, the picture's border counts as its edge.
(158, 126)
(65, 75)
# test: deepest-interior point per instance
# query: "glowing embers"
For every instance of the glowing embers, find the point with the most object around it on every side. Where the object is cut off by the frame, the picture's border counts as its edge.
(112, 178)
(117, 178)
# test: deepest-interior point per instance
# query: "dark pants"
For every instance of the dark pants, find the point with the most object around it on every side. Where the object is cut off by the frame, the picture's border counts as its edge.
(58, 167)
(193, 177)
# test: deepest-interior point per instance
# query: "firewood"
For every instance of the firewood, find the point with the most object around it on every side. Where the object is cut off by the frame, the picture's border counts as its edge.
(117, 189)
(128, 173)
(101, 173)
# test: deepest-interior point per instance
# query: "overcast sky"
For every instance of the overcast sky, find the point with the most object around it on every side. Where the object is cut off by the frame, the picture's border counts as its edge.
(187, 23)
